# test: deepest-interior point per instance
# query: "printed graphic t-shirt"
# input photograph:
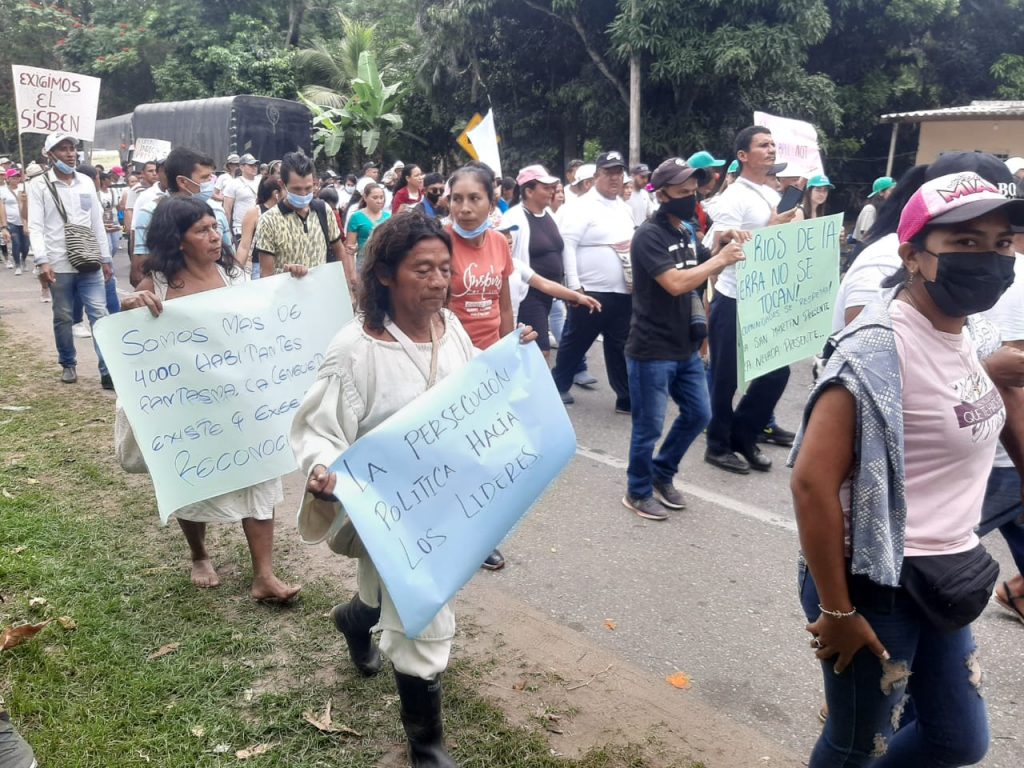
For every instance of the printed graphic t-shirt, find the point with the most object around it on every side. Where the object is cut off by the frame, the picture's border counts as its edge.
(952, 417)
(477, 277)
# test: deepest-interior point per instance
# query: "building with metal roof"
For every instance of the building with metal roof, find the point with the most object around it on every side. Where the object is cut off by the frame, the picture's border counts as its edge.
(985, 126)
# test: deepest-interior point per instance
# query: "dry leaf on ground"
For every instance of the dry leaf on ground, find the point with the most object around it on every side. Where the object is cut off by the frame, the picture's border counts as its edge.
(37, 602)
(19, 549)
(679, 680)
(163, 650)
(14, 636)
(68, 623)
(31, 481)
(259, 749)
(221, 749)
(198, 731)
(325, 724)
(7, 495)
(609, 624)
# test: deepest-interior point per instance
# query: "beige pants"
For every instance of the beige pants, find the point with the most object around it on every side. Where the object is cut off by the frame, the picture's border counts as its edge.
(425, 656)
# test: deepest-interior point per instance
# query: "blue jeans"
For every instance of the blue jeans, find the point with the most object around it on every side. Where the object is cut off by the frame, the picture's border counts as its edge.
(1003, 509)
(19, 244)
(651, 383)
(87, 287)
(113, 302)
(866, 703)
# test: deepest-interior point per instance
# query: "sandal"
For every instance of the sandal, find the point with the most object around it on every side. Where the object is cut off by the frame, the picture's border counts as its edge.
(1009, 603)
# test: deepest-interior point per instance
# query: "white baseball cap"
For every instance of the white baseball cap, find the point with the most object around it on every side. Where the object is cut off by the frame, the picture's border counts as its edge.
(584, 172)
(1015, 164)
(56, 138)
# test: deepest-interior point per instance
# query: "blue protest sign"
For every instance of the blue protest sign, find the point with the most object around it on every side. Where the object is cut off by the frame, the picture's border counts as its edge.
(438, 485)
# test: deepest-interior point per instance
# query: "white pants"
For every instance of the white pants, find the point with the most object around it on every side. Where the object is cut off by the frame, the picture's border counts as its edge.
(425, 656)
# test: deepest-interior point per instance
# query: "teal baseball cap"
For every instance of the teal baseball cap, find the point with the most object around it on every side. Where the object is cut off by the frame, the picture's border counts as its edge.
(881, 184)
(704, 159)
(821, 180)
(734, 167)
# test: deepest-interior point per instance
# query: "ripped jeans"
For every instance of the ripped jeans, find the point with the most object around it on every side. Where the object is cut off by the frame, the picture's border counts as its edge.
(939, 670)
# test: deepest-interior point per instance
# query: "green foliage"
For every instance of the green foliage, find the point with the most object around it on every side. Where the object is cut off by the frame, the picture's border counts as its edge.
(366, 118)
(1009, 71)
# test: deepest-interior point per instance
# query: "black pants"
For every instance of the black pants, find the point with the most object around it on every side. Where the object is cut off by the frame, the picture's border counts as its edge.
(583, 328)
(534, 311)
(737, 429)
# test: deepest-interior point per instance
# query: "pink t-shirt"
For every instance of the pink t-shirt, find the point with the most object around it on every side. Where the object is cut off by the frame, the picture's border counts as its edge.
(952, 417)
(478, 274)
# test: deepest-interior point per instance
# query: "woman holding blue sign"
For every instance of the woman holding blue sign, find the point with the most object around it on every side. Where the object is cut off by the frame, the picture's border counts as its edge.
(403, 341)
(187, 256)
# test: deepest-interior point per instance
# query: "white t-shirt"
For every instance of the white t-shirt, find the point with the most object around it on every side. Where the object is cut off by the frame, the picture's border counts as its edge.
(589, 230)
(744, 205)
(863, 281)
(519, 284)
(865, 221)
(1008, 316)
(222, 181)
(243, 192)
(11, 205)
(641, 204)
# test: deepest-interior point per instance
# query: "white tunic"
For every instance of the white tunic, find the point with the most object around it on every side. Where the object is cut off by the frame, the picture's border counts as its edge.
(256, 501)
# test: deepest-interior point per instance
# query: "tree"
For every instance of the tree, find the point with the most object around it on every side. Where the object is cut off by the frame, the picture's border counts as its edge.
(366, 119)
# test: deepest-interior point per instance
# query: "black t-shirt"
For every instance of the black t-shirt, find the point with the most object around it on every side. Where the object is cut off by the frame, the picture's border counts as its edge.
(660, 326)
(545, 246)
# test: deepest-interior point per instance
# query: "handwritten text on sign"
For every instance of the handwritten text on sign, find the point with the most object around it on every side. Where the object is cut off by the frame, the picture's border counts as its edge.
(796, 143)
(210, 387)
(785, 291)
(437, 486)
(50, 101)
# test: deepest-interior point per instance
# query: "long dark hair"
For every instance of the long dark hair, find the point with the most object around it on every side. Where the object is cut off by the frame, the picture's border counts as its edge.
(171, 220)
(403, 178)
(388, 246)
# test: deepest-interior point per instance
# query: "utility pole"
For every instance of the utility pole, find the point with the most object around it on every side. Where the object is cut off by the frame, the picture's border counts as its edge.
(634, 98)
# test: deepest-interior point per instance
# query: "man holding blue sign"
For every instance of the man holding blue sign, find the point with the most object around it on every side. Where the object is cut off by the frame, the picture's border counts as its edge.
(402, 473)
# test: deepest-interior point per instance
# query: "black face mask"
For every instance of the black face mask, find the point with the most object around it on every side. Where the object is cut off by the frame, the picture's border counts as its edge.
(681, 207)
(433, 197)
(968, 283)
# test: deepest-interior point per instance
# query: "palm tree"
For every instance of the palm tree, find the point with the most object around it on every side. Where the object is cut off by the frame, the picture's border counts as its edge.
(330, 66)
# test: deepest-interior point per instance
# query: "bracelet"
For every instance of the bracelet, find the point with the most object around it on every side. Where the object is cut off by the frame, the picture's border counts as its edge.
(837, 614)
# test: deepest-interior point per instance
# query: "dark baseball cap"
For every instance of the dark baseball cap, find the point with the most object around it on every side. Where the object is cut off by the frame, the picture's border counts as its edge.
(676, 171)
(989, 167)
(640, 170)
(370, 164)
(610, 160)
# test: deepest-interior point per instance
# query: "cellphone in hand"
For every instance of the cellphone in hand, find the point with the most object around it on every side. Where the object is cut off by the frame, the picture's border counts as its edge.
(790, 199)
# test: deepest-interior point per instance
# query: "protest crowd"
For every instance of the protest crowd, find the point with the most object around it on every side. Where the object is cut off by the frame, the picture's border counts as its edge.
(907, 456)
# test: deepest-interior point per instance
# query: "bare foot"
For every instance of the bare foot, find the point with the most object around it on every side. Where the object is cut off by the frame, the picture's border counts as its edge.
(272, 590)
(203, 574)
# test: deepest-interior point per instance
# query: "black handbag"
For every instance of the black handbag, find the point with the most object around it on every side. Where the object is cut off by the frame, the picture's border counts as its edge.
(950, 590)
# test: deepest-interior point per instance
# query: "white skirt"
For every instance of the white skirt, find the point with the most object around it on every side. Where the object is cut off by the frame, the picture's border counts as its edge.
(256, 501)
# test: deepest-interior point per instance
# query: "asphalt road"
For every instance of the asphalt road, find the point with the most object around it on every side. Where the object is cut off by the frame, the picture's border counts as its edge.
(711, 591)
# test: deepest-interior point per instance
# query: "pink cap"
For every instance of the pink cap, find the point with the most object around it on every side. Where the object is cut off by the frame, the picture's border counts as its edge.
(954, 199)
(535, 173)
(11, 172)
(118, 170)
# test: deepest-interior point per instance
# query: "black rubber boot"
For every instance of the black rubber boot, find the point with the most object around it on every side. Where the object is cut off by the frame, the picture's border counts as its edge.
(421, 718)
(354, 620)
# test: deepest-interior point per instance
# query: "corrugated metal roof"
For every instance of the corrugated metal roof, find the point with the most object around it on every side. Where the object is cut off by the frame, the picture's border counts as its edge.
(976, 110)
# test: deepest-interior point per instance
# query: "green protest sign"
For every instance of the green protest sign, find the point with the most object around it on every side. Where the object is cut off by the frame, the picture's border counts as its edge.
(786, 287)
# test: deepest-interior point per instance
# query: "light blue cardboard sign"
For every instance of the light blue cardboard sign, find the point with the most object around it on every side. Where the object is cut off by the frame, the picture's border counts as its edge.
(210, 387)
(438, 485)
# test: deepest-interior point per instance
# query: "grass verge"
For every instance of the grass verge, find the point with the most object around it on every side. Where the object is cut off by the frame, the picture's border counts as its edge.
(83, 536)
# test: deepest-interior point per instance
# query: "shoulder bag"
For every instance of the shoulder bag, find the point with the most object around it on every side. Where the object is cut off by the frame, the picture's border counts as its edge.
(80, 242)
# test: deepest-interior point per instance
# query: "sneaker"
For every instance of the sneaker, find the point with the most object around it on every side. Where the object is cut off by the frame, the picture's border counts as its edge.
(552, 341)
(728, 461)
(494, 561)
(669, 496)
(584, 379)
(17, 271)
(777, 436)
(106, 382)
(10, 264)
(81, 331)
(44, 295)
(648, 508)
(624, 407)
(567, 399)
(69, 375)
(35, 271)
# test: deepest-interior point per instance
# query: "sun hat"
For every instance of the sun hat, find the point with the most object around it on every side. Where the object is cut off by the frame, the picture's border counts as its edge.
(821, 180)
(535, 173)
(954, 199)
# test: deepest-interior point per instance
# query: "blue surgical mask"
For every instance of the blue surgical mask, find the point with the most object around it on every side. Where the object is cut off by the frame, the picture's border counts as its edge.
(471, 234)
(63, 167)
(350, 188)
(298, 202)
(205, 190)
